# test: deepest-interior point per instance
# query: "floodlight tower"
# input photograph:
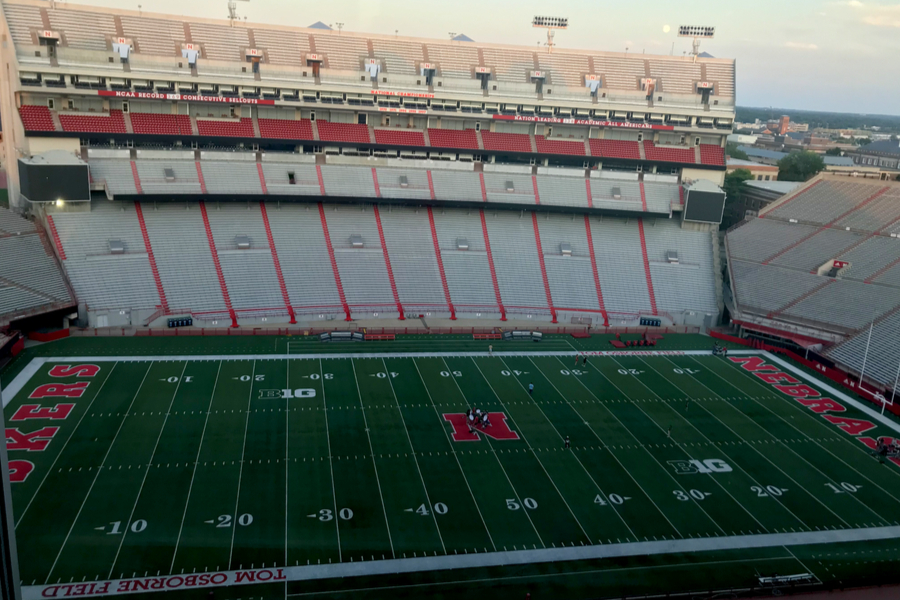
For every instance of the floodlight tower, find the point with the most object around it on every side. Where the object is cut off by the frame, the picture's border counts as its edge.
(697, 33)
(550, 24)
(232, 11)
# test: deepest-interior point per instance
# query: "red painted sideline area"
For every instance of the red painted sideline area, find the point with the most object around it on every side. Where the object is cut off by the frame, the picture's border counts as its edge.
(48, 336)
(833, 374)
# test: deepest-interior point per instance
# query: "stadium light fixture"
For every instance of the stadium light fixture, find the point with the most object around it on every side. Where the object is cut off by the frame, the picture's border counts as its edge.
(550, 24)
(232, 11)
(697, 33)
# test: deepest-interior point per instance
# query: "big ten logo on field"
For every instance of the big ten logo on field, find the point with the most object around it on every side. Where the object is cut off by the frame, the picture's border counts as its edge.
(497, 430)
(693, 467)
(40, 438)
(287, 394)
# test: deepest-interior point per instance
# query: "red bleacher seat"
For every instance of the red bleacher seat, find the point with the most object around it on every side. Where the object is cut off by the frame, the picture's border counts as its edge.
(559, 146)
(509, 142)
(712, 155)
(184, 125)
(156, 124)
(452, 138)
(343, 132)
(282, 129)
(36, 118)
(668, 153)
(114, 123)
(615, 149)
(399, 137)
(242, 128)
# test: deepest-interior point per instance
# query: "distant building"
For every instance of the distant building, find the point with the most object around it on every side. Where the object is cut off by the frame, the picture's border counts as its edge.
(757, 195)
(759, 171)
(884, 154)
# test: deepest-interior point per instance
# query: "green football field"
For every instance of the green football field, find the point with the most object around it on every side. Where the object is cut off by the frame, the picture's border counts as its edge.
(315, 470)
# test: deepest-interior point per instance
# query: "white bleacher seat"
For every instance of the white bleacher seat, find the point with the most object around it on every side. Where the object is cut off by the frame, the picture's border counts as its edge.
(154, 36)
(768, 289)
(356, 182)
(514, 248)
(523, 188)
(455, 60)
(344, 52)
(231, 177)
(660, 196)
(303, 254)
(675, 75)
(11, 223)
(468, 272)
(400, 57)
(220, 42)
(870, 257)
(26, 261)
(455, 185)
(562, 191)
(117, 174)
(758, 239)
(690, 284)
(416, 183)
(823, 203)
(22, 19)
(363, 271)
(82, 28)
(619, 72)
(509, 65)
(617, 247)
(817, 250)
(153, 178)
(874, 216)
(282, 47)
(103, 280)
(249, 273)
(183, 257)
(407, 234)
(306, 181)
(833, 304)
(884, 353)
(603, 194)
(571, 277)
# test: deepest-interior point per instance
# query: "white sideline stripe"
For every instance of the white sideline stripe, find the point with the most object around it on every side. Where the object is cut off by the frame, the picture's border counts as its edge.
(887, 422)
(28, 372)
(463, 561)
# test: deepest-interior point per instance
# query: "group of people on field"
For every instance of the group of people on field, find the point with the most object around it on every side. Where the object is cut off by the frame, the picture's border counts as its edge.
(476, 417)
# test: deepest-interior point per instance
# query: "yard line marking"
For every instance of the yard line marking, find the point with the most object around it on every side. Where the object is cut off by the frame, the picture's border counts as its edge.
(99, 470)
(187, 500)
(522, 433)
(682, 448)
(287, 459)
(415, 460)
(740, 437)
(387, 525)
(497, 458)
(455, 455)
(63, 449)
(237, 500)
(561, 395)
(642, 446)
(147, 470)
(330, 460)
(820, 446)
(395, 567)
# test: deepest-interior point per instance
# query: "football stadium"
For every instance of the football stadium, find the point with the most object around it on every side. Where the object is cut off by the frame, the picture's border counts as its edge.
(299, 312)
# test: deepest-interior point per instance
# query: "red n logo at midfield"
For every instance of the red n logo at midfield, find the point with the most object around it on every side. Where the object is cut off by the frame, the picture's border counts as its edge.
(497, 430)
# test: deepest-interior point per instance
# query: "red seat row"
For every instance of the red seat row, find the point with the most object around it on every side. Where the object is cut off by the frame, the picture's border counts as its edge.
(452, 138)
(615, 149)
(711, 154)
(343, 132)
(36, 118)
(156, 124)
(558, 146)
(241, 128)
(668, 154)
(114, 123)
(281, 129)
(510, 142)
(399, 137)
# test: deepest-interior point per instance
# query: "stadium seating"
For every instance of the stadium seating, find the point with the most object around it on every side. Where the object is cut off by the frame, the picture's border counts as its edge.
(468, 271)
(559, 146)
(562, 191)
(824, 202)
(454, 185)
(114, 123)
(285, 129)
(712, 155)
(399, 137)
(660, 196)
(571, 277)
(883, 355)
(407, 233)
(668, 153)
(157, 124)
(13, 224)
(116, 174)
(452, 138)
(496, 185)
(343, 132)
(617, 248)
(36, 118)
(514, 249)
(231, 177)
(226, 128)
(507, 142)
(152, 174)
(615, 149)
(690, 282)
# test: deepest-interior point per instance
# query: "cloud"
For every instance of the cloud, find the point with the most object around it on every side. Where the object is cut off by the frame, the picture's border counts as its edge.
(855, 4)
(801, 46)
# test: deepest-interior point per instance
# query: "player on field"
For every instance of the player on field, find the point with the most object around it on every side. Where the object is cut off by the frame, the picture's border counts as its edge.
(490, 350)
(567, 442)
(531, 389)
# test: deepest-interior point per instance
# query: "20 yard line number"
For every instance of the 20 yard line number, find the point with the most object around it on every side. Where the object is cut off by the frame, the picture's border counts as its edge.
(224, 521)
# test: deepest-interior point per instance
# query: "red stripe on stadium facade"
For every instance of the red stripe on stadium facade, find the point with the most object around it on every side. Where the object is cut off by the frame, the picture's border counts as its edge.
(591, 122)
(183, 97)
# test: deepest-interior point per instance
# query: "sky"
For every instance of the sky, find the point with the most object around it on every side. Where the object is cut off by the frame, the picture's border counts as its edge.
(839, 56)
